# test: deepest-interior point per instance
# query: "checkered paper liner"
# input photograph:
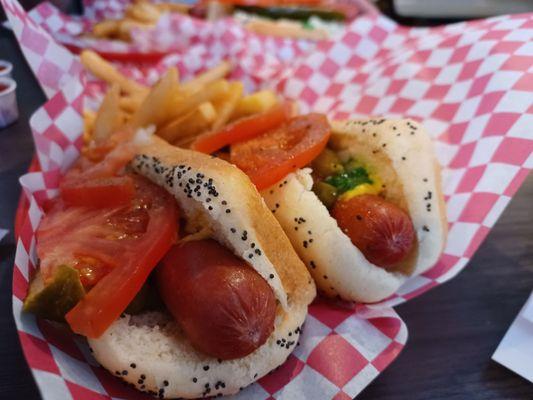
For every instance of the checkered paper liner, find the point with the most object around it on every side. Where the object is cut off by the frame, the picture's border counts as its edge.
(469, 83)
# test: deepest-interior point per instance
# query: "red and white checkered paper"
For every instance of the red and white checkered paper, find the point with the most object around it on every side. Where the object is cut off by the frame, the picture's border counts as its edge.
(471, 84)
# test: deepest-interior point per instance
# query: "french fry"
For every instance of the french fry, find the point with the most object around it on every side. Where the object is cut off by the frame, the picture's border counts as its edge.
(209, 76)
(130, 104)
(255, 103)
(143, 12)
(107, 72)
(207, 111)
(108, 118)
(126, 118)
(180, 112)
(184, 101)
(227, 106)
(124, 32)
(189, 125)
(88, 124)
(156, 106)
(106, 29)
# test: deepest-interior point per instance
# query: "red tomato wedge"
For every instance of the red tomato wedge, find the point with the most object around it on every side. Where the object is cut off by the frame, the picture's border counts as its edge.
(99, 192)
(113, 248)
(243, 129)
(96, 182)
(270, 157)
(110, 164)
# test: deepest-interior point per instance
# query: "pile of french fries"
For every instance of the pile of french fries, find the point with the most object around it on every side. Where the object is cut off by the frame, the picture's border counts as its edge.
(180, 111)
(139, 14)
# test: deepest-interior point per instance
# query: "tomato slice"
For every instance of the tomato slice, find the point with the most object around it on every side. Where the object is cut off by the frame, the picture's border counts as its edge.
(99, 192)
(243, 129)
(111, 164)
(95, 181)
(270, 157)
(113, 248)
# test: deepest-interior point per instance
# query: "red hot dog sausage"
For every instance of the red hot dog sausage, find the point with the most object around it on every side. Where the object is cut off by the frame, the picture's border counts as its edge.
(225, 307)
(381, 230)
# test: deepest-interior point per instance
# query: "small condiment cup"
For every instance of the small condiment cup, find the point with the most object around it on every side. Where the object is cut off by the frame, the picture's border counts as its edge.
(5, 69)
(8, 102)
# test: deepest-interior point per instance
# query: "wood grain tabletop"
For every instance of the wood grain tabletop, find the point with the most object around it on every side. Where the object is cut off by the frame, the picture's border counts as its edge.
(453, 329)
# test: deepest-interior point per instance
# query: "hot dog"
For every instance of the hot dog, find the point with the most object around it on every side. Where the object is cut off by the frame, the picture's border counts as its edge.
(361, 201)
(231, 292)
(363, 229)
(236, 298)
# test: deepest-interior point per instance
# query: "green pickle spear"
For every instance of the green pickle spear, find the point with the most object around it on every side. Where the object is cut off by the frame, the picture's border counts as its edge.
(55, 299)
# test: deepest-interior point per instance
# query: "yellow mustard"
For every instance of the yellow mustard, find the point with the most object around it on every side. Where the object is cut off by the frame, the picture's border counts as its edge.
(365, 188)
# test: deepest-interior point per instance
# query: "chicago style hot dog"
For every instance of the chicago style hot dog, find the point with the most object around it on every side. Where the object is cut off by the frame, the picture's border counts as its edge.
(361, 201)
(227, 301)
(369, 212)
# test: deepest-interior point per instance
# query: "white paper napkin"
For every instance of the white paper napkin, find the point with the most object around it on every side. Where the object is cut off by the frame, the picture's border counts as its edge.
(3, 232)
(515, 351)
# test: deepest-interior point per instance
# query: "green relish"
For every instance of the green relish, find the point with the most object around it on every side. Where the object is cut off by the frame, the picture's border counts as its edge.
(348, 179)
(333, 178)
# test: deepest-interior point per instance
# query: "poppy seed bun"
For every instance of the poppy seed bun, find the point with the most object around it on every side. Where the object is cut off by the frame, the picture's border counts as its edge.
(155, 354)
(152, 341)
(401, 153)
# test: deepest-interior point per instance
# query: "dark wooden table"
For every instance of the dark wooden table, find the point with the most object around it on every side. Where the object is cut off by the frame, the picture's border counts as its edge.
(453, 329)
